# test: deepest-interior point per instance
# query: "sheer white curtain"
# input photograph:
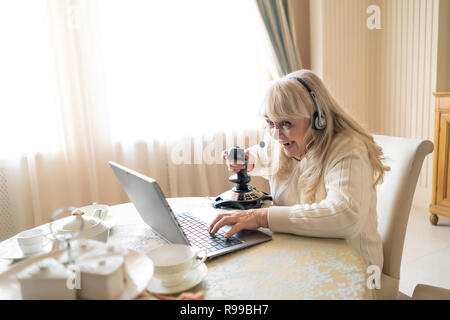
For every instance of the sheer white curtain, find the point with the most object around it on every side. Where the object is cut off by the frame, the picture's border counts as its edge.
(176, 67)
(29, 115)
(143, 83)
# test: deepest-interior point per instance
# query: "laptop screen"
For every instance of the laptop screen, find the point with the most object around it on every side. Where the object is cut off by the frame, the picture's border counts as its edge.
(150, 202)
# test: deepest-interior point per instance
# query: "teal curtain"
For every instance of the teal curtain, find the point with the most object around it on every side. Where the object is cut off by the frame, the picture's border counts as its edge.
(275, 15)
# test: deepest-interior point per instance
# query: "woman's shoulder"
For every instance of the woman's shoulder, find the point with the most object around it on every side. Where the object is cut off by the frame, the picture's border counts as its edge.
(345, 143)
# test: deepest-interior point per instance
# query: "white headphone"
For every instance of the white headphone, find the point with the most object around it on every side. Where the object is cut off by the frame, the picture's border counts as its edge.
(319, 121)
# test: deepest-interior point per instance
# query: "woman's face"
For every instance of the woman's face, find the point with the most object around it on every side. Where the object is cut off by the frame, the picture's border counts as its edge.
(290, 135)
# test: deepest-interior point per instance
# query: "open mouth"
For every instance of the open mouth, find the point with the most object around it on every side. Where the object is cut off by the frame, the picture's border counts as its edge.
(288, 145)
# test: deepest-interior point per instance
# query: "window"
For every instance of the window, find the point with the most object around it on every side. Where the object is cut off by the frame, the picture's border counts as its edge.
(28, 99)
(173, 68)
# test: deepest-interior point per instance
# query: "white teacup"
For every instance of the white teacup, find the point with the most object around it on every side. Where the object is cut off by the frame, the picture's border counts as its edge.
(173, 261)
(32, 241)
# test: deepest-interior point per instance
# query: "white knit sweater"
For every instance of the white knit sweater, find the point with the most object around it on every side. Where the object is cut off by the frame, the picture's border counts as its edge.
(345, 201)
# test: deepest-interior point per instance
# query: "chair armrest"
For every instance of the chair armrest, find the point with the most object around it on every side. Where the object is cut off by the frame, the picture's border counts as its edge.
(427, 292)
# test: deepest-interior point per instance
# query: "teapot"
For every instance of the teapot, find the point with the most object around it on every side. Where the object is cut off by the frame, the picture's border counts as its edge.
(94, 228)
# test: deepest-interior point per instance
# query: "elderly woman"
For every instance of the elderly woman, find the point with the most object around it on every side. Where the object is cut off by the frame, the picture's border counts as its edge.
(322, 167)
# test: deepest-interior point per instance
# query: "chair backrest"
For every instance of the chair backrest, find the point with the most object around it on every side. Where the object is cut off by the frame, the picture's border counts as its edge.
(395, 194)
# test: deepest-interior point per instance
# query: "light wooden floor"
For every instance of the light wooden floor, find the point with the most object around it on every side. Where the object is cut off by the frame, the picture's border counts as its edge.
(426, 253)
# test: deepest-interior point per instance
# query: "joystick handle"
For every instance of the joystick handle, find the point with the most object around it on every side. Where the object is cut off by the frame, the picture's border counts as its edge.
(241, 178)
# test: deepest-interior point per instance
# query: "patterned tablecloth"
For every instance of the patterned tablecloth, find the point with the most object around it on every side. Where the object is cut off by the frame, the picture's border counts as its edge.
(288, 267)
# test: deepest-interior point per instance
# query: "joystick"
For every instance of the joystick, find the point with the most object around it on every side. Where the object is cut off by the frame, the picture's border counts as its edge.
(242, 196)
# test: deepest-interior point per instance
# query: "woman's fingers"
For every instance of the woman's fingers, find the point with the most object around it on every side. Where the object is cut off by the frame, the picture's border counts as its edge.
(233, 165)
(235, 229)
(224, 221)
(250, 219)
(217, 219)
(235, 168)
(238, 219)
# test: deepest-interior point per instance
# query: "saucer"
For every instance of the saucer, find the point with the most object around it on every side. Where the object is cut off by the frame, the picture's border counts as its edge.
(192, 278)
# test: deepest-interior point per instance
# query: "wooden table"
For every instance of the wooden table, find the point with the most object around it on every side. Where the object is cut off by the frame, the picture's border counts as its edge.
(288, 267)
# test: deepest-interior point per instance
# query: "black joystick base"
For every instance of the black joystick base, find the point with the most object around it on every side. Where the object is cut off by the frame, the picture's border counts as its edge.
(242, 196)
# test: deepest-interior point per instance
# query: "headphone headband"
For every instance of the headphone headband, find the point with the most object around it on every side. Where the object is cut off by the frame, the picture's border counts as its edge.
(319, 119)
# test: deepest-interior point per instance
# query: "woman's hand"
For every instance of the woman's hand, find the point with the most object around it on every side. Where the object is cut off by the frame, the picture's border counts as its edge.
(235, 166)
(250, 219)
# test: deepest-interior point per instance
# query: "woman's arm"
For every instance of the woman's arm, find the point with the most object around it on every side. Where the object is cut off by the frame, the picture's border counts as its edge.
(348, 183)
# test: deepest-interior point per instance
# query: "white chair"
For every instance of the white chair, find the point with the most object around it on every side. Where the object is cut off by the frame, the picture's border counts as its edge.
(427, 292)
(394, 200)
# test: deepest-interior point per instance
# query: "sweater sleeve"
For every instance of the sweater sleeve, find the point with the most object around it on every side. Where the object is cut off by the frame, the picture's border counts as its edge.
(348, 180)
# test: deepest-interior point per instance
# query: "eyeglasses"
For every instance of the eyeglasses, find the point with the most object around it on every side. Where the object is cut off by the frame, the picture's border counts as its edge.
(282, 125)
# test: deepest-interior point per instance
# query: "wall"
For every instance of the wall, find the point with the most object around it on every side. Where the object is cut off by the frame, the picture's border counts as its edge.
(384, 78)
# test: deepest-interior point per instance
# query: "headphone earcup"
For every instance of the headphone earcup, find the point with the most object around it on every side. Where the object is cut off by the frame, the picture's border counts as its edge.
(317, 123)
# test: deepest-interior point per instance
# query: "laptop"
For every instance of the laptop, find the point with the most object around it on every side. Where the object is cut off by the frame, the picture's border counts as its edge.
(185, 228)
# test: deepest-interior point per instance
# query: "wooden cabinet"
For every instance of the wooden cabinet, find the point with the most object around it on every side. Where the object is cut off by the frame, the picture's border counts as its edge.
(440, 201)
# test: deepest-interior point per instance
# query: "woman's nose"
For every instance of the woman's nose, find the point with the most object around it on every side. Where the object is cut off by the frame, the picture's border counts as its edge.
(275, 133)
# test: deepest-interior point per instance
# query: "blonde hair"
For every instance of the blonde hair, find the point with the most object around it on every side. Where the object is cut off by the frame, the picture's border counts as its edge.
(286, 98)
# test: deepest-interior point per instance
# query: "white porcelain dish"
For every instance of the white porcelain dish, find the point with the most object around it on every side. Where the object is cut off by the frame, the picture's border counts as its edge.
(192, 278)
(91, 209)
(94, 228)
(96, 210)
(107, 218)
(139, 272)
(32, 241)
(100, 211)
(46, 280)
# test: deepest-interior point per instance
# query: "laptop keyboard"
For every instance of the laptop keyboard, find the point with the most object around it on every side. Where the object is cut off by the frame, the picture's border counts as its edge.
(196, 231)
